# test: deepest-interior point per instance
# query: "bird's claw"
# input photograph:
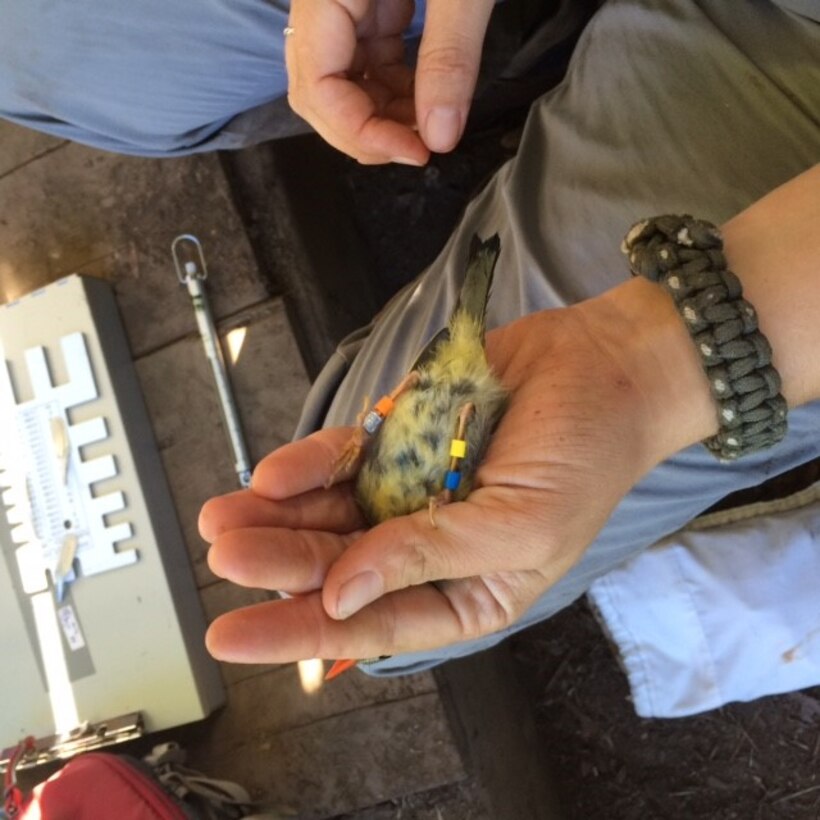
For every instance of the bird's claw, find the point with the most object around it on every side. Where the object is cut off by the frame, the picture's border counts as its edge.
(348, 459)
(436, 501)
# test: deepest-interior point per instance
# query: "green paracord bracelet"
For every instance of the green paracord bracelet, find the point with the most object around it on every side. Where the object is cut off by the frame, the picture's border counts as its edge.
(685, 256)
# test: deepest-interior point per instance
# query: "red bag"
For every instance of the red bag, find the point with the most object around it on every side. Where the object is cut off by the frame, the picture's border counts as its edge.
(97, 785)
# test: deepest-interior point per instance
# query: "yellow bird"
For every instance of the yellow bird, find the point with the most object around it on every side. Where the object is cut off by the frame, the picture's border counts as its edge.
(423, 442)
(420, 445)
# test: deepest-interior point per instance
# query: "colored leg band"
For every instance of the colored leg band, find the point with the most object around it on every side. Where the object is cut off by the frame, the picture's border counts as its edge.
(372, 422)
(458, 448)
(383, 406)
(452, 479)
(381, 409)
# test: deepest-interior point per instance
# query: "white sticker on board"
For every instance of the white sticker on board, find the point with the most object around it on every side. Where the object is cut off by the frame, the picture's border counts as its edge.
(71, 627)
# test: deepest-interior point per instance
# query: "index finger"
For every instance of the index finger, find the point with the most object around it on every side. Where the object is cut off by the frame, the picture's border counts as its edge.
(333, 509)
(320, 55)
(346, 117)
(300, 466)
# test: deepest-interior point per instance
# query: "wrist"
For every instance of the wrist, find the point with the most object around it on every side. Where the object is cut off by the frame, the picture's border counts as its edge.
(772, 248)
(638, 325)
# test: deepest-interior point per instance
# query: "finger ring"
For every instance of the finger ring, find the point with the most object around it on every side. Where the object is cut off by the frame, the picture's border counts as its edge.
(288, 30)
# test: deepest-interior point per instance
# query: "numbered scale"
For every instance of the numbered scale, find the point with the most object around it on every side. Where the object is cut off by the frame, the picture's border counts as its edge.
(99, 615)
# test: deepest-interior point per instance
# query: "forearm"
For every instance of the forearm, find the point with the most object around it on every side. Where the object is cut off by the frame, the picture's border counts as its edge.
(774, 248)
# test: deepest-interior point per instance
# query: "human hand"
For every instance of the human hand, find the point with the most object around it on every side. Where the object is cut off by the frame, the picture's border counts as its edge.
(348, 79)
(592, 408)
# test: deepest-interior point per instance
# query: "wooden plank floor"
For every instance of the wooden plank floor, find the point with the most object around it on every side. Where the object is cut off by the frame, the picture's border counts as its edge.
(69, 209)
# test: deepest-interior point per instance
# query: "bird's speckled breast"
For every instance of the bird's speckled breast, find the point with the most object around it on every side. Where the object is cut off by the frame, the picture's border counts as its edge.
(407, 460)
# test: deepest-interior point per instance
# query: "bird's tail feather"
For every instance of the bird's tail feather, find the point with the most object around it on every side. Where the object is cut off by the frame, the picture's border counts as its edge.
(475, 292)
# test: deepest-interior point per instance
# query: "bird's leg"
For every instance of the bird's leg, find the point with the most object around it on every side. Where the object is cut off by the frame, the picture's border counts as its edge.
(458, 450)
(367, 422)
(352, 451)
(407, 383)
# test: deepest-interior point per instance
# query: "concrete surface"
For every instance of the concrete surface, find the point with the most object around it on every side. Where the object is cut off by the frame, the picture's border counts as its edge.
(68, 209)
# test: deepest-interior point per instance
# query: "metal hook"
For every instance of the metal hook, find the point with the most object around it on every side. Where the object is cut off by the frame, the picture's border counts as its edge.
(190, 269)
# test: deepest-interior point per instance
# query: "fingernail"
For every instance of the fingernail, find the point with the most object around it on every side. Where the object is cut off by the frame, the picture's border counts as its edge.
(442, 129)
(407, 161)
(359, 591)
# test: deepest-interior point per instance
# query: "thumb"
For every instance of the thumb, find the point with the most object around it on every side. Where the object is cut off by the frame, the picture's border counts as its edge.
(449, 57)
(469, 540)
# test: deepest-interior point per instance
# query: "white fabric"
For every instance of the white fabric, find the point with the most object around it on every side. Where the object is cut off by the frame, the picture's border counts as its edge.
(707, 617)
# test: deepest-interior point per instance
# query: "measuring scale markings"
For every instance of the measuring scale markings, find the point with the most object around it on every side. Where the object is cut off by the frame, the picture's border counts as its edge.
(57, 521)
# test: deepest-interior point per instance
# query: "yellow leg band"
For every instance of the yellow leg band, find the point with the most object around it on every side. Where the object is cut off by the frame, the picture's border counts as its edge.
(458, 448)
